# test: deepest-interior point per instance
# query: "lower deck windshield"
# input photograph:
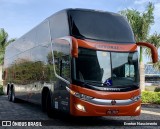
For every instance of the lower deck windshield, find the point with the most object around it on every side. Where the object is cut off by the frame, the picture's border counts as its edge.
(107, 68)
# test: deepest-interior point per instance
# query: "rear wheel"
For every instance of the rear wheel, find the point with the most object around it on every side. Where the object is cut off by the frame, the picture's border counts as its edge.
(9, 94)
(13, 96)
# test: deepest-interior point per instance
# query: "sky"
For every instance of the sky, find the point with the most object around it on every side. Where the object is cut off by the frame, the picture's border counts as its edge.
(17, 17)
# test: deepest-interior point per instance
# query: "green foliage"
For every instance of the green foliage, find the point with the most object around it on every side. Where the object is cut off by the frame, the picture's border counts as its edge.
(3, 43)
(1, 90)
(155, 40)
(157, 89)
(141, 24)
(28, 72)
(151, 97)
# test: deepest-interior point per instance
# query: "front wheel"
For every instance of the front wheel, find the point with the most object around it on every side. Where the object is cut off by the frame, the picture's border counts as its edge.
(48, 105)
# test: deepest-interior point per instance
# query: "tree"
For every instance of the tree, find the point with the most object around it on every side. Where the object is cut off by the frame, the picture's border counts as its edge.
(154, 39)
(141, 23)
(3, 43)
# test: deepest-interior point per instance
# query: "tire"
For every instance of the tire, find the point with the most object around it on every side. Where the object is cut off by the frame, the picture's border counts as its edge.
(43, 106)
(9, 94)
(48, 105)
(13, 96)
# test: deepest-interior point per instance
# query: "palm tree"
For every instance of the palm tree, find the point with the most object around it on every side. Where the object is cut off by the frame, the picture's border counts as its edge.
(154, 39)
(141, 23)
(3, 43)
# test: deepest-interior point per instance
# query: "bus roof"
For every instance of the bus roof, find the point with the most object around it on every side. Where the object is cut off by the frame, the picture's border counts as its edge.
(97, 25)
(79, 23)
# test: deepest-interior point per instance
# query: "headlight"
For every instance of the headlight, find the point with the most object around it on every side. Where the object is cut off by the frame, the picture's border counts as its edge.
(136, 98)
(80, 107)
(78, 95)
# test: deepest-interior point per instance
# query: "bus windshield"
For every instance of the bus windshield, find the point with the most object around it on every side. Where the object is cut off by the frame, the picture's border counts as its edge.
(107, 68)
(101, 26)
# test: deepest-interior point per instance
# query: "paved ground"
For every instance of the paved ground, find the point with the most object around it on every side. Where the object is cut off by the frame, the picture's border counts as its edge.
(27, 111)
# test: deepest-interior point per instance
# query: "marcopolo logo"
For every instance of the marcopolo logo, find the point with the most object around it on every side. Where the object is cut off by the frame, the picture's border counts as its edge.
(113, 102)
(110, 47)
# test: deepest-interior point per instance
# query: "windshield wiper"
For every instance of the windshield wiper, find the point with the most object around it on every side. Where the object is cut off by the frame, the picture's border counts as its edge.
(93, 83)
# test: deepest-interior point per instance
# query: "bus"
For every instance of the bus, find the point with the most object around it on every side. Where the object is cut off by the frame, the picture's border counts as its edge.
(80, 61)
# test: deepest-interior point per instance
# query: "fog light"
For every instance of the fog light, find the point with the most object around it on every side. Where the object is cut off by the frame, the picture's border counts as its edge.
(80, 107)
(138, 108)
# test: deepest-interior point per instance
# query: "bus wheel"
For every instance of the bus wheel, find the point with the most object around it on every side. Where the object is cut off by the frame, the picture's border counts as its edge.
(13, 96)
(48, 106)
(9, 94)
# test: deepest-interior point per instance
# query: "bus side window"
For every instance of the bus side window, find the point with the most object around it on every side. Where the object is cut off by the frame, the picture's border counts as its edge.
(65, 67)
(57, 65)
(129, 70)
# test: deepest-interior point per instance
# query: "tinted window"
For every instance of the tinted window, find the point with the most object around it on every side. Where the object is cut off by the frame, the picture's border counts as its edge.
(100, 26)
(124, 68)
(43, 35)
(109, 68)
(62, 59)
(40, 53)
(93, 65)
(65, 67)
(59, 25)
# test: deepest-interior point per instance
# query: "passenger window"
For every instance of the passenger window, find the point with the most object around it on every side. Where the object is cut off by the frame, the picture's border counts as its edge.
(65, 67)
(129, 70)
(61, 52)
(57, 65)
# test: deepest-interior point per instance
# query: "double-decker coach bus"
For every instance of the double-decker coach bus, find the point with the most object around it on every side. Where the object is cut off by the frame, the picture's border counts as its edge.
(83, 62)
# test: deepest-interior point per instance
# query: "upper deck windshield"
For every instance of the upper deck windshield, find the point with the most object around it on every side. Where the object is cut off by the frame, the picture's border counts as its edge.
(107, 69)
(102, 26)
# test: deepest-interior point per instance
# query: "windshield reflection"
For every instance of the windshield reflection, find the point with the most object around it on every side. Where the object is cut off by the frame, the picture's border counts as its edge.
(106, 68)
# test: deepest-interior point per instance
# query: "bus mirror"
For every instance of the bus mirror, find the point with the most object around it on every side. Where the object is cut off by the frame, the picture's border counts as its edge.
(74, 48)
(153, 50)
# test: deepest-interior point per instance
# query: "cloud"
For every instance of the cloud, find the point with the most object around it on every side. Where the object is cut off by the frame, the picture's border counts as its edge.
(142, 2)
(14, 1)
(140, 6)
(156, 26)
(157, 10)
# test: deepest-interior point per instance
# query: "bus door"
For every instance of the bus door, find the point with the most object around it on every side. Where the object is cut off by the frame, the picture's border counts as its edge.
(61, 52)
(65, 74)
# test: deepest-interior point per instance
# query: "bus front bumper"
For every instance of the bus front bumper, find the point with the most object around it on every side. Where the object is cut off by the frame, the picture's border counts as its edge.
(79, 107)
